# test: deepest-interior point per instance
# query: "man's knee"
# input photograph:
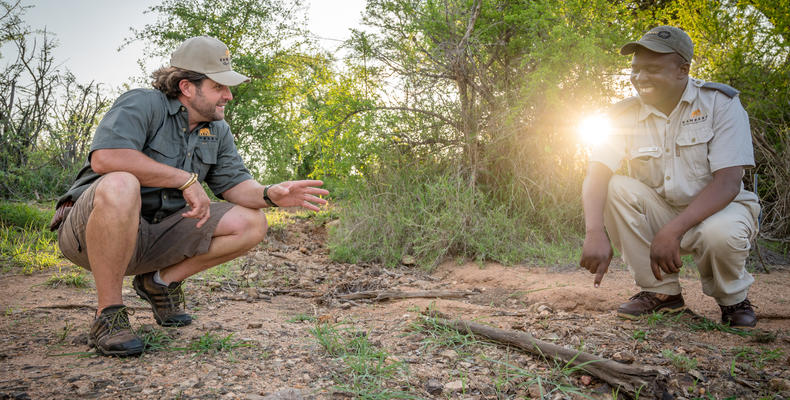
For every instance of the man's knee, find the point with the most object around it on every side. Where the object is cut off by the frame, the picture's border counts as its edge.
(723, 235)
(118, 190)
(250, 223)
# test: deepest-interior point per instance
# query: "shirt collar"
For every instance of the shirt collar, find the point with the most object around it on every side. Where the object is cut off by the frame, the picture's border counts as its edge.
(689, 95)
(174, 106)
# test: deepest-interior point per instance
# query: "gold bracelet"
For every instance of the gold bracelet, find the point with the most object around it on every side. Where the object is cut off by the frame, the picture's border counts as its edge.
(192, 179)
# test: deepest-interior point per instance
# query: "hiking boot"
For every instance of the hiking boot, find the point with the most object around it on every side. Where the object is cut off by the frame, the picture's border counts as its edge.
(739, 315)
(112, 334)
(167, 302)
(644, 303)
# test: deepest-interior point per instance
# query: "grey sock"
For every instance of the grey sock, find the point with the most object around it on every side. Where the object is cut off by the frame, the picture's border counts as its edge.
(158, 279)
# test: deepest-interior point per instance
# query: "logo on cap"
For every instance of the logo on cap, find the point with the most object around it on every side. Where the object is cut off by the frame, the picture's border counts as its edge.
(664, 34)
(225, 60)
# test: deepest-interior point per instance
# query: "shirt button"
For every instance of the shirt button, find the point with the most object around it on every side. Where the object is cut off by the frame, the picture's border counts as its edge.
(189, 154)
(693, 140)
(182, 108)
(165, 196)
(667, 149)
(667, 178)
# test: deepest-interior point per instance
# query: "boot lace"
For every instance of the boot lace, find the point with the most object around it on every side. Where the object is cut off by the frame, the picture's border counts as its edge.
(744, 305)
(119, 320)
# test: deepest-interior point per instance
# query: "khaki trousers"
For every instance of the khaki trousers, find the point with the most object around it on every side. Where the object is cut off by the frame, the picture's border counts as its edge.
(720, 244)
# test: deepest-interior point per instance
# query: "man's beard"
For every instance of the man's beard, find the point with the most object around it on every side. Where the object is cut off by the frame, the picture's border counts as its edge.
(205, 109)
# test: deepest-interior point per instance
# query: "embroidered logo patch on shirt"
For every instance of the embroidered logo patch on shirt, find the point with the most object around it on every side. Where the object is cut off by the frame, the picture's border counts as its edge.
(204, 132)
(695, 117)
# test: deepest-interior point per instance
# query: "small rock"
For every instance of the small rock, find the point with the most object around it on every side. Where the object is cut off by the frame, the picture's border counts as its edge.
(552, 336)
(80, 339)
(697, 375)
(252, 293)
(535, 391)
(623, 357)
(779, 384)
(434, 387)
(285, 394)
(408, 260)
(586, 380)
(541, 308)
(212, 326)
(454, 386)
(254, 325)
(448, 354)
(213, 285)
(303, 250)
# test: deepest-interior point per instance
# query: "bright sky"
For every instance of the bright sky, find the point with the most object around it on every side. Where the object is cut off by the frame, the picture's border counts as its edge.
(89, 32)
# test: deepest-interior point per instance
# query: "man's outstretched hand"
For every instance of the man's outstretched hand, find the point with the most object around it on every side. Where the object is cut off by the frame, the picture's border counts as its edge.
(596, 255)
(298, 194)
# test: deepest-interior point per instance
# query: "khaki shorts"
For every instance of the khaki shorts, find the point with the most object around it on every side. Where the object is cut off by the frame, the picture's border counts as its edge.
(160, 245)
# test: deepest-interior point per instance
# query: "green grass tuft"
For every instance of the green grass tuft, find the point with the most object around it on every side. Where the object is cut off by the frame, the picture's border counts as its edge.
(74, 278)
(369, 372)
(681, 362)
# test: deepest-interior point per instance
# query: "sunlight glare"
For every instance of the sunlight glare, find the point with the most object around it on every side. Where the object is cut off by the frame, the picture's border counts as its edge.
(594, 129)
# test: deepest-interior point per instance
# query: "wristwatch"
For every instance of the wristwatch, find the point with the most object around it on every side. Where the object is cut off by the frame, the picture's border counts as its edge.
(266, 198)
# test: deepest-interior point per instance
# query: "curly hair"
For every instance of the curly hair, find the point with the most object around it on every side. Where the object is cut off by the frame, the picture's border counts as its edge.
(166, 80)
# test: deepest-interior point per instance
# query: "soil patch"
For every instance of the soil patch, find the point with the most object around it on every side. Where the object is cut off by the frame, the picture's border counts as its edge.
(266, 306)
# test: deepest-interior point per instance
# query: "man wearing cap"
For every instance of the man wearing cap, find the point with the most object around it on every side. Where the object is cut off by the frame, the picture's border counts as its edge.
(138, 208)
(686, 144)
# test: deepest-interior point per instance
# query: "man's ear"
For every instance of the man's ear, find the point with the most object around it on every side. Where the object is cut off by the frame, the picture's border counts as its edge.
(684, 69)
(187, 88)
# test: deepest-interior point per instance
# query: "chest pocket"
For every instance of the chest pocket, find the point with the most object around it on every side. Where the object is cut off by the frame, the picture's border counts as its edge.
(163, 150)
(205, 157)
(692, 149)
(645, 164)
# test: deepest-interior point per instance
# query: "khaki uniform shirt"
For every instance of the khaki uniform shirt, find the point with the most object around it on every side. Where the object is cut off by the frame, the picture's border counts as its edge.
(146, 120)
(677, 154)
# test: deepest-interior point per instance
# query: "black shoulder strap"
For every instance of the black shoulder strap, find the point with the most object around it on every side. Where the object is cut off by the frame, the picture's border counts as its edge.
(622, 106)
(728, 90)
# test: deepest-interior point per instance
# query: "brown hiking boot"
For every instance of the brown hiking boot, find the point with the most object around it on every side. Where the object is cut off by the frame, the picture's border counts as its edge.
(167, 302)
(644, 303)
(112, 334)
(739, 315)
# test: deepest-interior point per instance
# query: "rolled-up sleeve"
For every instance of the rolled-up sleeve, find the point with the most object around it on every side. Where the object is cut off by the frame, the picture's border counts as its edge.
(610, 154)
(125, 125)
(731, 144)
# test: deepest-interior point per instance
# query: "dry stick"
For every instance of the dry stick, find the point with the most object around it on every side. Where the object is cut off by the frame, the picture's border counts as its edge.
(78, 306)
(382, 295)
(635, 380)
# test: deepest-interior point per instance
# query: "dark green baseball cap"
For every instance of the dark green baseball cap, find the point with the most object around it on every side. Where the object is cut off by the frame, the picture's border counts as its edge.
(210, 57)
(663, 39)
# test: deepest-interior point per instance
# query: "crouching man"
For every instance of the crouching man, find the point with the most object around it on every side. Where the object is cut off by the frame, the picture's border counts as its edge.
(686, 143)
(138, 207)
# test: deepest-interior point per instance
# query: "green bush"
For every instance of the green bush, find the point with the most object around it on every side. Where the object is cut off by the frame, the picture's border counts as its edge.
(24, 216)
(432, 214)
(41, 178)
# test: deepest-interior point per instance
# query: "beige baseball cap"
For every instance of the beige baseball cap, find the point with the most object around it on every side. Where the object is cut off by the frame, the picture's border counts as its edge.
(208, 56)
(663, 39)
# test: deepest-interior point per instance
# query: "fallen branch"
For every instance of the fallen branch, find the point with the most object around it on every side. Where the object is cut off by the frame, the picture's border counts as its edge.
(80, 306)
(382, 295)
(635, 380)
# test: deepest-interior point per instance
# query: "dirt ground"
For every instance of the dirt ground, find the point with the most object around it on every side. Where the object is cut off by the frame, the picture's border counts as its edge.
(272, 298)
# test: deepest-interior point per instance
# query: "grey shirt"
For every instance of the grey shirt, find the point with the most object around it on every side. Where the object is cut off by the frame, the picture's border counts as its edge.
(677, 154)
(147, 121)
